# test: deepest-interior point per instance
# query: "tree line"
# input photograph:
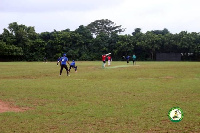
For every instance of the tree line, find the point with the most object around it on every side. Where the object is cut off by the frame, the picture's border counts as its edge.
(22, 43)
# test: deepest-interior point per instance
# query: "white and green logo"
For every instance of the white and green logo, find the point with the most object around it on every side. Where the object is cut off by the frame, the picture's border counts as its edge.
(175, 114)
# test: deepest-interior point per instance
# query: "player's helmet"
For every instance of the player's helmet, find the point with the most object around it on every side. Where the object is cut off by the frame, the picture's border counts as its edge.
(64, 54)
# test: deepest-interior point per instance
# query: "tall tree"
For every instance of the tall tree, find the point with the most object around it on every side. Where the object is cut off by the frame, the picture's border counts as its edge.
(104, 26)
(152, 43)
(162, 32)
(137, 30)
(85, 43)
(125, 46)
(24, 37)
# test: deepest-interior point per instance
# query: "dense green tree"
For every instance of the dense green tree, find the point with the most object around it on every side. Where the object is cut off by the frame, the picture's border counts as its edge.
(20, 42)
(10, 50)
(168, 44)
(85, 43)
(23, 37)
(162, 32)
(104, 26)
(100, 45)
(125, 46)
(137, 31)
(152, 43)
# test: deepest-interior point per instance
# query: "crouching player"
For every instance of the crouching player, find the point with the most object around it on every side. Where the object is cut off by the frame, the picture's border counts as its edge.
(72, 65)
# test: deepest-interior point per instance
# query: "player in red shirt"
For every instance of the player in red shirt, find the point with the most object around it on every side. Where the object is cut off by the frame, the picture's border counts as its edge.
(104, 60)
(109, 60)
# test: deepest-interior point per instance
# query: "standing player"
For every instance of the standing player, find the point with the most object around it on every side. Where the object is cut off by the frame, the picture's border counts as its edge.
(104, 60)
(58, 60)
(72, 65)
(127, 59)
(134, 58)
(63, 61)
(109, 60)
(45, 59)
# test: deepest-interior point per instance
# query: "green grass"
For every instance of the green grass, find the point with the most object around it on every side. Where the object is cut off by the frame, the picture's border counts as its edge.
(123, 98)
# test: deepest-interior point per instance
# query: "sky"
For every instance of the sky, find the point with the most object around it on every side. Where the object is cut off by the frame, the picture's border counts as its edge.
(47, 15)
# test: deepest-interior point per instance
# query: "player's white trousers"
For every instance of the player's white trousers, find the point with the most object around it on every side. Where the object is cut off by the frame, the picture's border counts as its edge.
(109, 62)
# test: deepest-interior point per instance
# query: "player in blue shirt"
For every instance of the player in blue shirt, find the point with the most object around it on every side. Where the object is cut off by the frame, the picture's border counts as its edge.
(72, 65)
(63, 64)
(58, 60)
(127, 59)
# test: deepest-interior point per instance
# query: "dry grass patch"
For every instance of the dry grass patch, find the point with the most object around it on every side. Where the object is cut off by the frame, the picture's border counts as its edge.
(9, 107)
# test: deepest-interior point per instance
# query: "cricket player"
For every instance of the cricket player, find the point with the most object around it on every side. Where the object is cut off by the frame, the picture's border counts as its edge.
(104, 60)
(109, 60)
(134, 58)
(72, 65)
(58, 60)
(127, 59)
(63, 61)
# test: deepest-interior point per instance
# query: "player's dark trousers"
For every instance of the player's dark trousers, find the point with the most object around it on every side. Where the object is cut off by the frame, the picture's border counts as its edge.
(71, 66)
(64, 66)
(127, 61)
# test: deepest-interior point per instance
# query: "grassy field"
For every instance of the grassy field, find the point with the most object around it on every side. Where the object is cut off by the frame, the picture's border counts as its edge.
(119, 98)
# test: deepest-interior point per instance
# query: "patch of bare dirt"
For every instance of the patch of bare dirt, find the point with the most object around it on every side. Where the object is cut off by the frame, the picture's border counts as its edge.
(8, 107)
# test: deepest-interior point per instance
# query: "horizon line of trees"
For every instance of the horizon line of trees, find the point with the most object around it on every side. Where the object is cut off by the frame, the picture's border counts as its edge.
(22, 43)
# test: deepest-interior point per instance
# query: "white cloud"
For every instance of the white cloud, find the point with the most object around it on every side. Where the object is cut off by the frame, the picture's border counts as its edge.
(47, 15)
(54, 5)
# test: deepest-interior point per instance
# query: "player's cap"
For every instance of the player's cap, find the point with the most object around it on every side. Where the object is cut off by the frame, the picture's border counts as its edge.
(73, 60)
(64, 54)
